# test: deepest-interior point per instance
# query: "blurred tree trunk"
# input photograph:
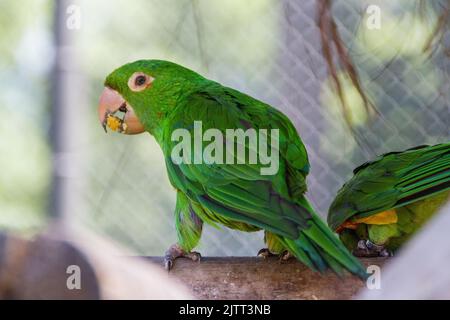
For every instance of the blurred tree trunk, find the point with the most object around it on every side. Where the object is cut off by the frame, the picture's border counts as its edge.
(67, 112)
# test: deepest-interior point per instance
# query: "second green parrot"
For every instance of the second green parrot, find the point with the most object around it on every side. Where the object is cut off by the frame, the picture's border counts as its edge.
(389, 199)
(166, 99)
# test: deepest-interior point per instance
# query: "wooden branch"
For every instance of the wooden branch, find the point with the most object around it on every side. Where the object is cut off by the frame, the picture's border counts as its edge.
(259, 278)
(37, 269)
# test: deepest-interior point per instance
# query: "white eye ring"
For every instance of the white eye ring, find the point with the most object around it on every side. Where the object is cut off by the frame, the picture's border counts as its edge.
(139, 81)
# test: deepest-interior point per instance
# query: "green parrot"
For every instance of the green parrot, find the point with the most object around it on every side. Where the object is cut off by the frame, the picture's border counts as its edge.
(163, 98)
(389, 199)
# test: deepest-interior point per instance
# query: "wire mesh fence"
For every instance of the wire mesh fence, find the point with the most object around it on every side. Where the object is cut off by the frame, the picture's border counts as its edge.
(271, 50)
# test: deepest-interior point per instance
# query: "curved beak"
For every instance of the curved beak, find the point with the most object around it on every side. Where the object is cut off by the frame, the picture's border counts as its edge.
(110, 105)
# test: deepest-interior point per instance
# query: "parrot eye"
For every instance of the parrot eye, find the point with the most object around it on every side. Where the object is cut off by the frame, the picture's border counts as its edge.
(139, 81)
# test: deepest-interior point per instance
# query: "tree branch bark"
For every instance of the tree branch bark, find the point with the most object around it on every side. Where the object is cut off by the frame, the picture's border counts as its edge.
(259, 278)
(38, 269)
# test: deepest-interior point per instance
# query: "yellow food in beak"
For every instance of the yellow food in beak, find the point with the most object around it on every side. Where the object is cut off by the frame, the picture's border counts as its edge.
(116, 124)
(110, 103)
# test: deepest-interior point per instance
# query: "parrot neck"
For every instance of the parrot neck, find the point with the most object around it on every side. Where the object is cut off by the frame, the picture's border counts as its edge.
(157, 133)
(166, 104)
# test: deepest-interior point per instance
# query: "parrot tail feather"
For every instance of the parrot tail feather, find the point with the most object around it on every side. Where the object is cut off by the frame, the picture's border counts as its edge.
(320, 249)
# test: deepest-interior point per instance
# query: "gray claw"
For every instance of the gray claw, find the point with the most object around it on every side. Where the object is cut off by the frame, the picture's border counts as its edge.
(168, 264)
(369, 245)
(194, 256)
(175, 252)
(366, 248)
(285, 256)
(265, 253)
(386, 253)
(362, 245)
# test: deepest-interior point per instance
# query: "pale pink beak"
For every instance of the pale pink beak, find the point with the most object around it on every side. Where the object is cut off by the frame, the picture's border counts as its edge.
(112, 102)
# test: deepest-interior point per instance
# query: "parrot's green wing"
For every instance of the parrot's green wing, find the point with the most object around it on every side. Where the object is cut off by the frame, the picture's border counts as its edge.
(393, 180)
(263, 201)
(238, 192)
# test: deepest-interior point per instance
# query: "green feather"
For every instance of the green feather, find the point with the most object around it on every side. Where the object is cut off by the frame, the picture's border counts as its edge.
(393, 180)
(415, 182)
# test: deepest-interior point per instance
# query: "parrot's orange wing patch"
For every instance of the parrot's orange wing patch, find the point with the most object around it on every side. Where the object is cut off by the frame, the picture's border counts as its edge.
(385, 217)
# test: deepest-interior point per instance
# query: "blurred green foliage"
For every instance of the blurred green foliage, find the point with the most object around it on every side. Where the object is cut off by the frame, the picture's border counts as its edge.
(25, 62)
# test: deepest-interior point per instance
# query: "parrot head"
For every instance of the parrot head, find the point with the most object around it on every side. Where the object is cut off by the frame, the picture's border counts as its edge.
(138, 95)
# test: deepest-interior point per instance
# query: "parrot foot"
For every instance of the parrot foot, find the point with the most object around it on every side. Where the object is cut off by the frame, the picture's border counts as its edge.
(175, 252)
(367, 249)
(265, 253)
(285, 256)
